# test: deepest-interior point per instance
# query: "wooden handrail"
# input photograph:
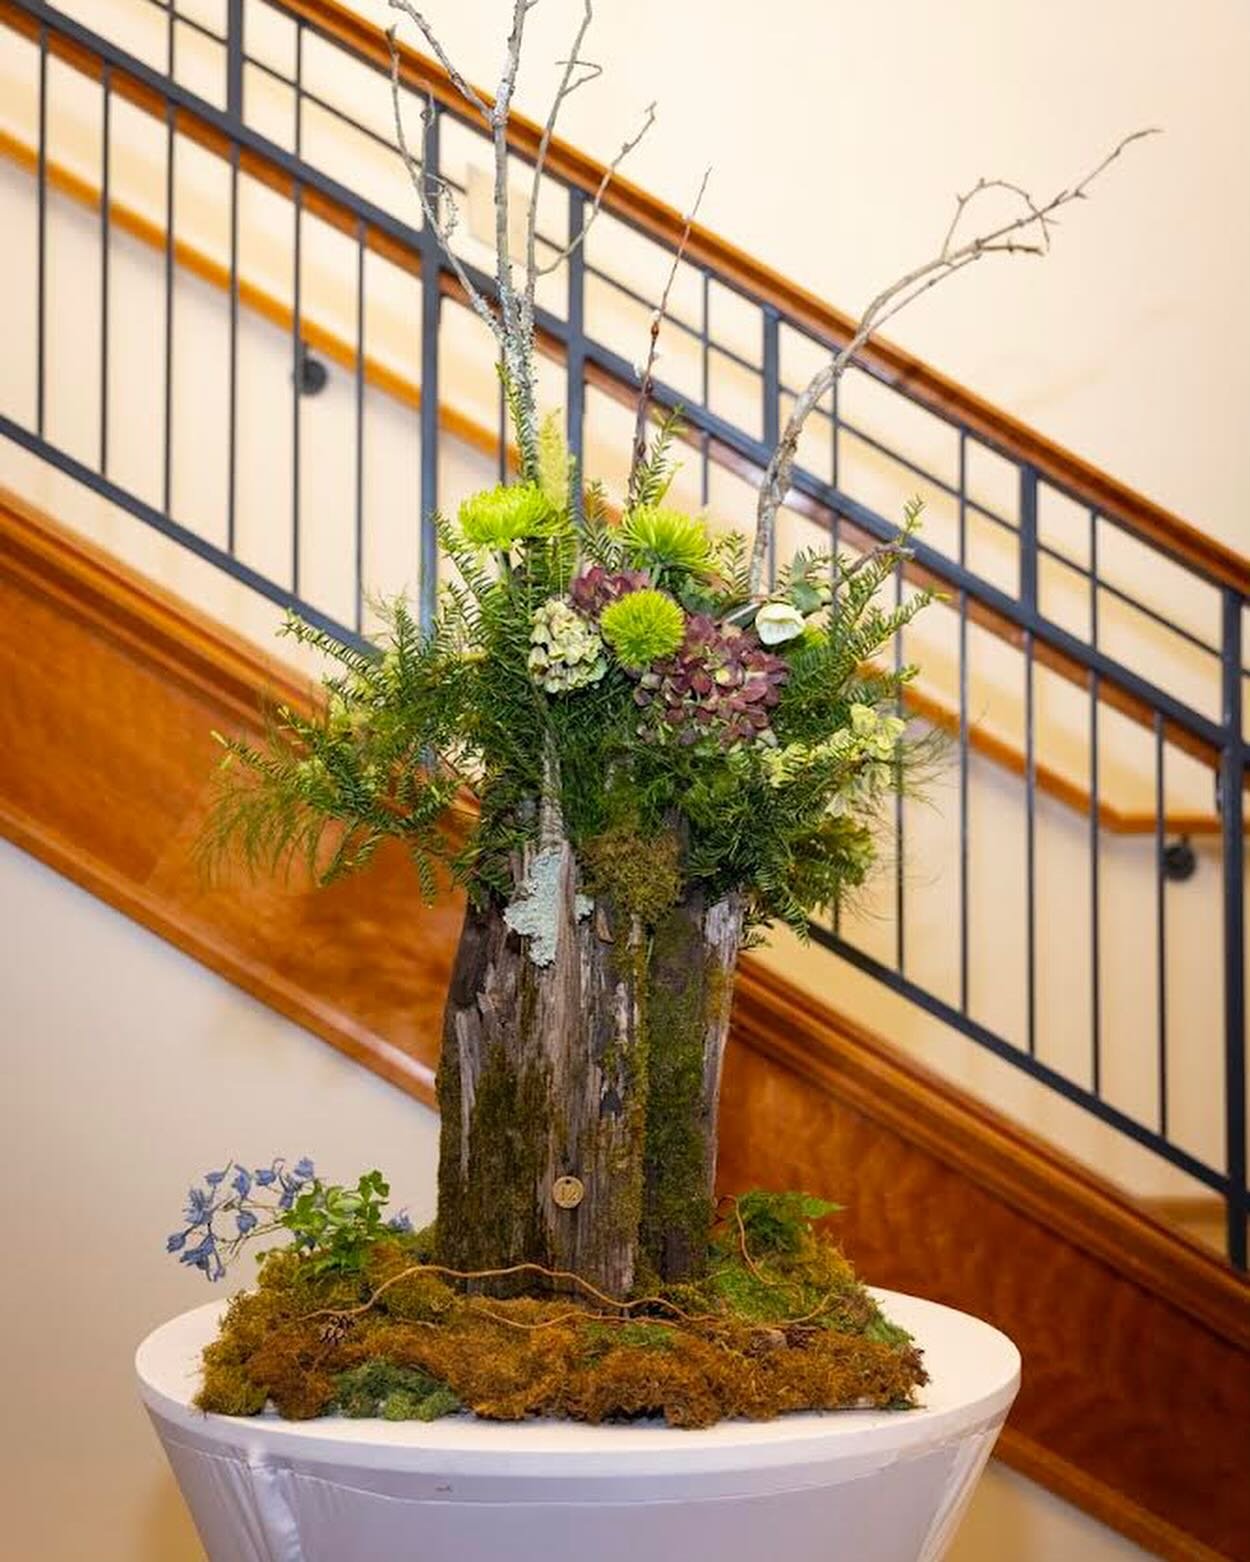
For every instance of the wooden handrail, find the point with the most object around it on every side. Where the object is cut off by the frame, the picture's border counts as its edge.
(252, 296)
(900, 369)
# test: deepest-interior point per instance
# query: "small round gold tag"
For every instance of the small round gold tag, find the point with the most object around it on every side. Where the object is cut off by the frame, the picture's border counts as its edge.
(568, 1192)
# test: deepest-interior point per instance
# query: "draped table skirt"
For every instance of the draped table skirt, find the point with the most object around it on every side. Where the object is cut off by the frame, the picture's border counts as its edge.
(850, 1486)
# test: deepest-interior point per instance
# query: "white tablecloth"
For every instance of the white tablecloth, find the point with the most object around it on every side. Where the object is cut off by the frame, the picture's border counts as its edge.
(864, 1486)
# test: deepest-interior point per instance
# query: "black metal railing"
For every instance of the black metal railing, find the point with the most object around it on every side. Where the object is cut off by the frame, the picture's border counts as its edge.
(1109, 632)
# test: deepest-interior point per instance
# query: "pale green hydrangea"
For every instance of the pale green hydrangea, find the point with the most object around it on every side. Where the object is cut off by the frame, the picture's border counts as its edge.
(566, 651)
(867, 746)
(876, 736)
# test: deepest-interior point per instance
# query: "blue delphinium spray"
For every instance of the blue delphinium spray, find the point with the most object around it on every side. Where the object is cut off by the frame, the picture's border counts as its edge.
(332, 1225)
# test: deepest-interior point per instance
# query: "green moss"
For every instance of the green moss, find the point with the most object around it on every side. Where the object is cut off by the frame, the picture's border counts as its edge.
(677, 1212)
(880, 1328)
(781, 1332)
(642, 878)
(417, 1298)
(379, 1387)
(226, 1388)
(602, 1337)
(495, 1210)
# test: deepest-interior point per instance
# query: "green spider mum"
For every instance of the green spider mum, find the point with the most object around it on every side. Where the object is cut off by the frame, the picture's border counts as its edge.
(499, 517)
(642, 626)
(663, 539)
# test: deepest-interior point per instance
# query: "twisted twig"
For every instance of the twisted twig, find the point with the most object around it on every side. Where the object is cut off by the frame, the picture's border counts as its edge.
(646, 384)
(1007, 238)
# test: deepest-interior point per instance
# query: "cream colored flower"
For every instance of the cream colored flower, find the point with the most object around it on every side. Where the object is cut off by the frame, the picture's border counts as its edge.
(777, 622)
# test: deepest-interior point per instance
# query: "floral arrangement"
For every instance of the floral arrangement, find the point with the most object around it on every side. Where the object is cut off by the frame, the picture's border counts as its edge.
(633, 745)
(622, 671)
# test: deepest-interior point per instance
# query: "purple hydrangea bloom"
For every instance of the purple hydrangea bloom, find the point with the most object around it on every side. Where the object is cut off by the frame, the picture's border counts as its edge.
(720, 684)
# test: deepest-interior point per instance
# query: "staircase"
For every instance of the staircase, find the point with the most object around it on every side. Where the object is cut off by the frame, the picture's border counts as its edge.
(1100, 728)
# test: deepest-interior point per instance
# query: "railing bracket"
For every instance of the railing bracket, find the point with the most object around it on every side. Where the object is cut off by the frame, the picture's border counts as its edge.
(1179, 861)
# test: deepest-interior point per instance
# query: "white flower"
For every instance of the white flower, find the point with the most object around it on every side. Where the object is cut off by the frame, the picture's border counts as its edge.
(777, 622)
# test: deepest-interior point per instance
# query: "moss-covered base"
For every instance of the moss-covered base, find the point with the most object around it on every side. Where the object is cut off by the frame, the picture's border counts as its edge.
(759, 1336)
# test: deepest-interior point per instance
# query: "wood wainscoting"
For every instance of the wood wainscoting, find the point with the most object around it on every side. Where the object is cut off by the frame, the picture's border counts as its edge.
(1136, 1342)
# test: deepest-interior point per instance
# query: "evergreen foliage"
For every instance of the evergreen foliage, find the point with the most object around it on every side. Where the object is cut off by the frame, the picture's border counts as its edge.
(618, 672)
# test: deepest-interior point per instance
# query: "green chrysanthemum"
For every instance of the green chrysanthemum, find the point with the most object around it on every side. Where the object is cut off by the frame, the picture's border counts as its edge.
(642, 626)
(666, 540)
(499, 517)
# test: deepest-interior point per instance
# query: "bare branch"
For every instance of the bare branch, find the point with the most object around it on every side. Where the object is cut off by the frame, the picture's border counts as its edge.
(647, 383)
(648, 120)
(463, 87)
(516, 339)
(1028, 233)
(430, 187)
(569, 83)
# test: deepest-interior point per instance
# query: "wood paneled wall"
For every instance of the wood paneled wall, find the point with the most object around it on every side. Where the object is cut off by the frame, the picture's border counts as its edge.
(1136, 1397)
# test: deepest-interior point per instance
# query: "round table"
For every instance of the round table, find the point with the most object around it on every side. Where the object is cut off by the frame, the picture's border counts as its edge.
(859, 1485)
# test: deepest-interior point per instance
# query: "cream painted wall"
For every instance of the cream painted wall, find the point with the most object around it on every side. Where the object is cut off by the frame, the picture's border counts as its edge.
(128, 1070)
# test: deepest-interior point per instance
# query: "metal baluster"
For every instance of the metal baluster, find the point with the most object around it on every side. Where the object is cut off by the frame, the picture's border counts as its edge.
(835, 544)
(964, 986)
(835, 523)
(501, 434)
(772, 409)
(234, 58)
(705, 483)
(1232, 815)
(898, 794)
(232, 455)
(575, 363)
(297, 342)
(41, 195)
(297, 376)
(1161, 963)
(1095, 828)
(105, 217)
(1028, 597)
(167, 480)
(360, 426)
(431, 261)
(299, 89)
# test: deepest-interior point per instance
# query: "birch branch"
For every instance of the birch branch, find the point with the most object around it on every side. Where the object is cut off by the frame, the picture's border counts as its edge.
(516, 339)
(1029, 233)
(430, 190)
(648, 119)
(463, 87)
(646, 384)
(569, 83)
(507, 321)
